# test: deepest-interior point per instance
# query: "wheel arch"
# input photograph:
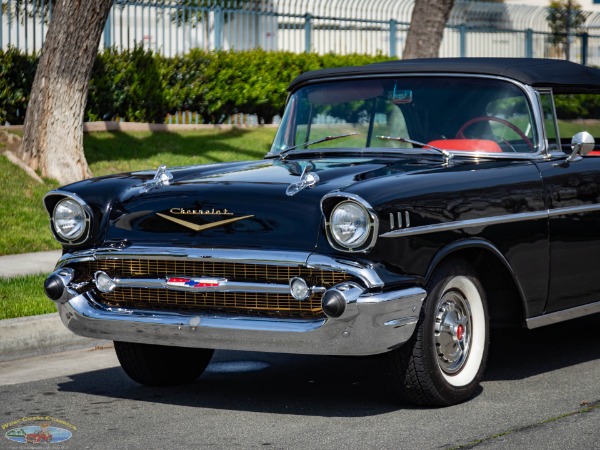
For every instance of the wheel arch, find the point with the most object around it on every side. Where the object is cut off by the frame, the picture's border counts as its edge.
(505, 297)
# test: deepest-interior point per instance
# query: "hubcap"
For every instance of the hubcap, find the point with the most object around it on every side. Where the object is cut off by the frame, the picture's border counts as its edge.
(452, 331)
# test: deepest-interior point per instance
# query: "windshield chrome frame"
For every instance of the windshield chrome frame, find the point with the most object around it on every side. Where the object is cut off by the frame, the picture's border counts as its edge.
(531, 94)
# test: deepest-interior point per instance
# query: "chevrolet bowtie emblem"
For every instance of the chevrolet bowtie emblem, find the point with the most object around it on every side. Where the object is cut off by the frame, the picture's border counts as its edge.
(196, 227)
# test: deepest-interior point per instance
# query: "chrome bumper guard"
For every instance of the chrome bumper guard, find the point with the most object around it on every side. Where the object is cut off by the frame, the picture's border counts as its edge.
(375, 324)
(370, 323)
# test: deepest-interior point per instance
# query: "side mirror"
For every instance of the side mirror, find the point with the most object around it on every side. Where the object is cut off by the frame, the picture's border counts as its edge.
(581, 144)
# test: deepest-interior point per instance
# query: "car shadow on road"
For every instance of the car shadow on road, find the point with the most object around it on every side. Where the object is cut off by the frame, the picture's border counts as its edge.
(518, 354)
(339, 387)
(272, 383)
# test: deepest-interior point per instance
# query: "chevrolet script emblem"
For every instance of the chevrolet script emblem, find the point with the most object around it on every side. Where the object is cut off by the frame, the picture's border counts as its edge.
(196, 227)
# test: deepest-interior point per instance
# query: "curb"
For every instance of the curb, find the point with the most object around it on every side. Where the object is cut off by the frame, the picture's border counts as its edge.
(31, 336)
(25, 337)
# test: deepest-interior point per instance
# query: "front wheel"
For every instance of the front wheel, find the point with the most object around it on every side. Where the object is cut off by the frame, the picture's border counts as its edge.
(159, 365)
(443, 362)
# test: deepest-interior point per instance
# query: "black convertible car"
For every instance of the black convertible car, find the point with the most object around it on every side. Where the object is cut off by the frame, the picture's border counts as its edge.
(403, 209)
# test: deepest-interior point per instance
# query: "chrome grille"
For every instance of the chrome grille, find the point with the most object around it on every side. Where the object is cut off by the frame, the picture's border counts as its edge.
(281, 305)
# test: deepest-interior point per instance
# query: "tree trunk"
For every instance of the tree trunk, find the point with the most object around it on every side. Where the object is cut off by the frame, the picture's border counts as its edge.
(53, 129)
(426, 30)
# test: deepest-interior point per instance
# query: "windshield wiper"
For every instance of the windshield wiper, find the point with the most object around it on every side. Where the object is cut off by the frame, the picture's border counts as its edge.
(282, 153)
(446, 153)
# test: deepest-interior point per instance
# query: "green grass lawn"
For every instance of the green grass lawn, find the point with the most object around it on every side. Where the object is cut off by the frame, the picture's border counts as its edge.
(23, 219)
(24, 296)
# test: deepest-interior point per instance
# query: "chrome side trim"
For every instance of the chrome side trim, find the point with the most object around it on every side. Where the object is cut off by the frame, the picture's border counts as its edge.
(373, 324)
(494, 220)
(363, 272)
(459, 224)
(574, 210)
(561, 316)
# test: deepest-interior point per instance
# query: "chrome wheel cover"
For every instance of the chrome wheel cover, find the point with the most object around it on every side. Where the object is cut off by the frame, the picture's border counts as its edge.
(452, 331)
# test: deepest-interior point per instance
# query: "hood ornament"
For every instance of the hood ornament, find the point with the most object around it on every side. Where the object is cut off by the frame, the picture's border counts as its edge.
(162, 177)
(308, 179)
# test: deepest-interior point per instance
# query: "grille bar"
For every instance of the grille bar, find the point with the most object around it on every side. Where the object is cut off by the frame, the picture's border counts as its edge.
(273, 298)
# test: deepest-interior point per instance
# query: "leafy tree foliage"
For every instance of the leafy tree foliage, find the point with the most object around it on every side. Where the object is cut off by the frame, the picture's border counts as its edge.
(562, 19)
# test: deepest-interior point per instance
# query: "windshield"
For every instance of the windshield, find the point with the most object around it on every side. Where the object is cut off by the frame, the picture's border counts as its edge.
(449, 113)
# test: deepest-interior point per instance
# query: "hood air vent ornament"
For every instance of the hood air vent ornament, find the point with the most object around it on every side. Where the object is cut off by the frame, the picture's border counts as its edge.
(308, 179)
(162, 177)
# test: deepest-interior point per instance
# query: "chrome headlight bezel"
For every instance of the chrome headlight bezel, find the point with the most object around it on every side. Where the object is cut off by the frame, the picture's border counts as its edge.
(81, 213)
(335, 203)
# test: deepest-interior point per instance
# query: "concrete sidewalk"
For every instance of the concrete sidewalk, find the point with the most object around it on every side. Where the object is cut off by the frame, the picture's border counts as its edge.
(28, 263)
(36, 335)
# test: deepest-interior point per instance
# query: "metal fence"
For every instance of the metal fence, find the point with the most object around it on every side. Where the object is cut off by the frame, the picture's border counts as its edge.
(324, 26)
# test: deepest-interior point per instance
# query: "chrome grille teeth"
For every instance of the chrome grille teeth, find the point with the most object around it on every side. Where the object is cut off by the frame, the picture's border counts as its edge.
(247, 303)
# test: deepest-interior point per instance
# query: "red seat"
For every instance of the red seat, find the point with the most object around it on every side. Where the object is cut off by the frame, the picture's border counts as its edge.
(594, 153)
(467, 145)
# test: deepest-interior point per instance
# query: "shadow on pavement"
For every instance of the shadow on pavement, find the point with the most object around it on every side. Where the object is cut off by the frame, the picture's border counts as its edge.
(517, 354)
(339, 387)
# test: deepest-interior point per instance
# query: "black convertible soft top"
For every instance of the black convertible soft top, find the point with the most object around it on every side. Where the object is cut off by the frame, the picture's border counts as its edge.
(562, 76)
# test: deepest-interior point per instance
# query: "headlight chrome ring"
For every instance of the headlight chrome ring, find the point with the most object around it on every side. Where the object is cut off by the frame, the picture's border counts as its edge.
(71, 220)
(351, 224)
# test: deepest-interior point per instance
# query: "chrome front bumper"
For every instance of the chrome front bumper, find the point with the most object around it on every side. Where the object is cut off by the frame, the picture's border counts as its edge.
(372, 321)
(372, 325)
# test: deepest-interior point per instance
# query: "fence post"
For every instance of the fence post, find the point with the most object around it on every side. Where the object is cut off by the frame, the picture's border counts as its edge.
(584, 48)
(463, 40)
(393, 37)
(107, 31)
(528, 43)
(218, 28)
(307, 32)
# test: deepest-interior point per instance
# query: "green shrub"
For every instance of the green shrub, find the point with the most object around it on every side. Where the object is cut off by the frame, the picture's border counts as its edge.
(17, 71)
(577, 106)
(137, 85)
(128, 84)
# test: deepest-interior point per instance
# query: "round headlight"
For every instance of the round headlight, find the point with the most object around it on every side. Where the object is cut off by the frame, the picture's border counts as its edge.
(350, 224)
(69, 220)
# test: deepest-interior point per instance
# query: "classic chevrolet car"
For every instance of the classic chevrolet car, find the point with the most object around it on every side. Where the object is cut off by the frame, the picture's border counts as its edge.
(404, 209)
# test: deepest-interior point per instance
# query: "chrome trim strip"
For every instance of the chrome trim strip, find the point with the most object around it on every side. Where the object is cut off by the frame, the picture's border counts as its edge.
(561, 316)
(302, 259)
(224, 286)
(366, 273)
(573, 210)
(470, 223)
(494, 220)
(373, 324)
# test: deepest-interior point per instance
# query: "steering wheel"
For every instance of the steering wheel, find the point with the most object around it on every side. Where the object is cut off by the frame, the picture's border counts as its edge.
(460, 133)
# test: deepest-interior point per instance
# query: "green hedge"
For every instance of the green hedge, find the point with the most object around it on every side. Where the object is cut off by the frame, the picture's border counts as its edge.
(137, 85)
(17, 71)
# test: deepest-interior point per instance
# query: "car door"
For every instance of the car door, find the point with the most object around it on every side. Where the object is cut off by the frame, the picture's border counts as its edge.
(573, 201)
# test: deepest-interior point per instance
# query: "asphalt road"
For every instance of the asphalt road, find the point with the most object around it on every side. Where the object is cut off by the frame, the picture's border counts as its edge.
(542, 390)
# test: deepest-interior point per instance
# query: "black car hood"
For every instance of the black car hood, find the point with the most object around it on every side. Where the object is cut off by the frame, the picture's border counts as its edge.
(240, 205)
